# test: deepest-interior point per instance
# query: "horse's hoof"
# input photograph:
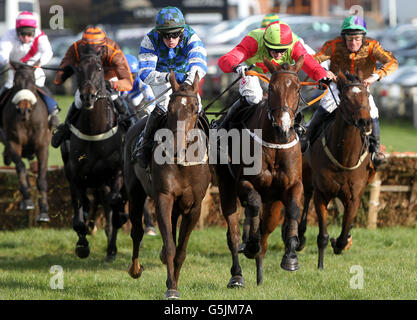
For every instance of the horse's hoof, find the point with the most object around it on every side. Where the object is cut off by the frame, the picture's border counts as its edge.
(301, 244)
(349, 243)
(6, 159)
(252, 249)
(91, 228)
(43, 217)
(26, 205)
(336, 249)
(289, 263)
(110, 257)
(236, 282)
(135, 270)
(82, 251)
(172, 294)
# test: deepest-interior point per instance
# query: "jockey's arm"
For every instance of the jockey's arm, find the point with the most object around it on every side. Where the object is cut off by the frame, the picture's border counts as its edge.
(246, 49)
(121, 67)
(197, 58)
(69, 59)
(311, 67)
(148, 60)
(387, 59)
(6, 46)
(45, 51)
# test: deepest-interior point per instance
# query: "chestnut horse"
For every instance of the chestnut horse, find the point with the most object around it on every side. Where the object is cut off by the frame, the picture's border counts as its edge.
(93, 156)
(177, 187)
(278, 182)
(338, 163)
(26, 134)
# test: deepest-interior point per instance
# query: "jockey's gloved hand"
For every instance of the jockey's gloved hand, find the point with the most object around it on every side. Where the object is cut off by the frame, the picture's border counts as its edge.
(241, 70)
(325, 81)
(110, 86)
(68, 72)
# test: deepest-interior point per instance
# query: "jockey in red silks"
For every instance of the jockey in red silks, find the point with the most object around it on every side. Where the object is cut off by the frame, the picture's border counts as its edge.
(277, 43)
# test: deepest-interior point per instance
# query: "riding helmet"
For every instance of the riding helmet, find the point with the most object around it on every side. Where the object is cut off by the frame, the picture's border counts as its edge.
(170, 19)
(93, 35)
(354, 25)
(278, 35)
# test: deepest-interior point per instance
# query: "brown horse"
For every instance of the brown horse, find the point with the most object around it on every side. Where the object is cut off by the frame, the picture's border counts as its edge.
(93, 156)
(26, 134)
(177, 187)
(338, 163)
(278, 182)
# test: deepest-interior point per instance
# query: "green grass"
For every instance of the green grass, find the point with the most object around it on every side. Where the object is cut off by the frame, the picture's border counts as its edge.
(395, 135)
(387, 256)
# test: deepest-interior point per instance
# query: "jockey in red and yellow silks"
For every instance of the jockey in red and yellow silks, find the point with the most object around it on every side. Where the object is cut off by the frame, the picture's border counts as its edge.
(275, 42)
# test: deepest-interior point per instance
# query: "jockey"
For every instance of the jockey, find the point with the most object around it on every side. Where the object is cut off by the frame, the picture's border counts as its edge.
(116, 74)
(28, 44)
(171, 45)
(346, 53)
(279, 44)
(141, 92)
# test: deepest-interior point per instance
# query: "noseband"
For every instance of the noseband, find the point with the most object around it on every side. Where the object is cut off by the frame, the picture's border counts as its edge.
(284, 108)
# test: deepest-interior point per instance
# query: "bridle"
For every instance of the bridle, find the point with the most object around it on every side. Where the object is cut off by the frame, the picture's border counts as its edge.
(284, 108)
(348, 119)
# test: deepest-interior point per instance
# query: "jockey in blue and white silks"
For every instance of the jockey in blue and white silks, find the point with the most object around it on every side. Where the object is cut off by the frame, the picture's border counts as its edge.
(157, 59)
(171, 45)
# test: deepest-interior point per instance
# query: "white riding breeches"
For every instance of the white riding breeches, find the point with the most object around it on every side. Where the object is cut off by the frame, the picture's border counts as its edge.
(329, 104)
(250, 88)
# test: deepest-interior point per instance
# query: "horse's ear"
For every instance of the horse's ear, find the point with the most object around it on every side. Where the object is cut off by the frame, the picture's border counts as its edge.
(174, 84)
(270, 65)
(299, 64)
(195, 83)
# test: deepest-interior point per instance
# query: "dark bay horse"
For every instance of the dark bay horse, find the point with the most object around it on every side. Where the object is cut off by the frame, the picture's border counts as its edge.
(93, 155)
(338, 163)
(26, 134)
(177, 186)
(278, 183)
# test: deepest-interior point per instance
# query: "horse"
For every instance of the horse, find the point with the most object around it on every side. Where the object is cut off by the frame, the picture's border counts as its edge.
(27, 134)
(93, 156)
(177, 186)
(338, 163)
(278, 183)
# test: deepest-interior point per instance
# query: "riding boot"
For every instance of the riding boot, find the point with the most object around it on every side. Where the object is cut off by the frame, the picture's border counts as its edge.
(123, 109)
(377, 156)
(312, 126)
(62, 131)
(224, 123)
(143, 148)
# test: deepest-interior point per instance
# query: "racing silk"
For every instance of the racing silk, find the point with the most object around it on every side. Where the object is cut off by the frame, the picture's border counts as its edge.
(139, 91)
(187, 58)
(365, 59)
(252, 50)
(114, 64)
(11, 48)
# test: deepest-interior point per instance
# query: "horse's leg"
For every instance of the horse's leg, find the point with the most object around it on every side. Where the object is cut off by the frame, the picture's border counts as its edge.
(91, 219)
(82, 248)
(137, 197)
(248, 194)
(117, 201)
(14, 151)
(269, 221)
(188, 223)
(42, 183)
(292, 213)
(228, 197)
(163, 207)
(323, 237)
(344, 240)
(302, 227)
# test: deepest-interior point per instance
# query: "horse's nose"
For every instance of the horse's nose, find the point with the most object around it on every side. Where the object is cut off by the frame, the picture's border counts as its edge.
(365, 125)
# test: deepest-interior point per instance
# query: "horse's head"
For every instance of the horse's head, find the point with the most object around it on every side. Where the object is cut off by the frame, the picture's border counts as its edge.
(354, 102)
(24, 88)
(283, 94)
(182, 109)
(90, 76)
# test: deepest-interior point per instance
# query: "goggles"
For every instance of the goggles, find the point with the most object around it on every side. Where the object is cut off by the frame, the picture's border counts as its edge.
(26, 33)
(171, 35)
(281, 51)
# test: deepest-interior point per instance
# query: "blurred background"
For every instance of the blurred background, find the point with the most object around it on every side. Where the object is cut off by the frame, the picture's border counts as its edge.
(221, 24)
